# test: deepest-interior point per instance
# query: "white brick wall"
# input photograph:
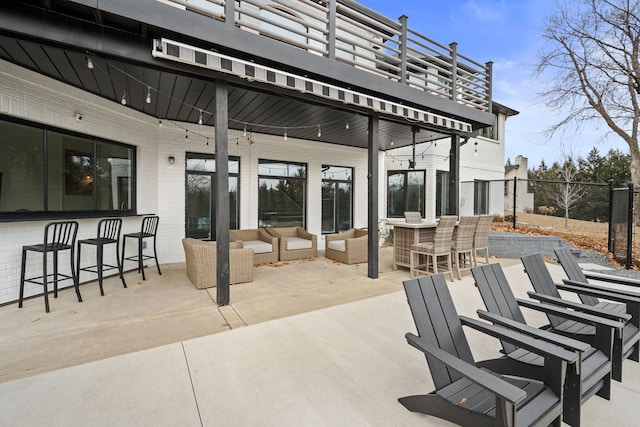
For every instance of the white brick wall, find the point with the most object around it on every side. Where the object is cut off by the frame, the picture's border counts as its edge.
(486, 164)
(160, 186)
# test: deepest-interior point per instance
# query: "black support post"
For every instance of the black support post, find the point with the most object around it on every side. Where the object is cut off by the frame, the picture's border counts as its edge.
(331, 28)
(610, 233)
(515, 199)
(372, 204)
(403, 48)
(230, 13)
(222, 193)
(454, 174)
(630, 228)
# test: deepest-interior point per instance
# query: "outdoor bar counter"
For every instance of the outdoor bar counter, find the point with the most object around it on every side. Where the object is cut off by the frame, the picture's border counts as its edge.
(405, 235)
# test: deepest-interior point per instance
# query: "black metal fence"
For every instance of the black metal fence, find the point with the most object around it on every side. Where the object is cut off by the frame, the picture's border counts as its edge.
(586, 201)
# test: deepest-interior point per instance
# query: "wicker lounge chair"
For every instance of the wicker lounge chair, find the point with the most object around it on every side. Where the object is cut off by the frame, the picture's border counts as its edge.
(201, 263)
(264, 245)
(349, 247)
(295, 242)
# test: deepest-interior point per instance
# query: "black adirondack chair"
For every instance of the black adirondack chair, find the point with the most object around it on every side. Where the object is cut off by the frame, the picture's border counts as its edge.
(626, 341)
(466, 394)
(575, 273)
(626, 300)
(591, 376)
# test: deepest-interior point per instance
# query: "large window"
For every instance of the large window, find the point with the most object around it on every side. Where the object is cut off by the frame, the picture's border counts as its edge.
(281, 193)
(46, 172)
(481, 197)
(405, 192)
(201, 195)
(442, 193)
(337, 200)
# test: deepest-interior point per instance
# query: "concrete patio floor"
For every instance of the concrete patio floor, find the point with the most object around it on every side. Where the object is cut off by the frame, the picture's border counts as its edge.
(309, 343)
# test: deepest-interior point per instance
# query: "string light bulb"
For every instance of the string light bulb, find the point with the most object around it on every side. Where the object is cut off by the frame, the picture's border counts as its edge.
(319, 131)
(148, 100)
(123, 101)
(244, 131)
(346, 126)
(475, 153)
(159, 123)
(186, 134)
(207, 140)
(285, 134)
(89, 63)
(200, 118)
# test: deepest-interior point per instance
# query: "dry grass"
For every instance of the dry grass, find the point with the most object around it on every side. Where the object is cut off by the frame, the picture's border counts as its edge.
(585, 228)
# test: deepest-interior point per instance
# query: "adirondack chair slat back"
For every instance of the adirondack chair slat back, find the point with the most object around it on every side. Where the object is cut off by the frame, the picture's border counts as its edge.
(542, 281)
(573, 271)
(497, 295)
(437, 321)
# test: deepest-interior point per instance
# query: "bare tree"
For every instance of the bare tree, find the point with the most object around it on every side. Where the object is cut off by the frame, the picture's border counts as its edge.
(570, 192)
(591, 60)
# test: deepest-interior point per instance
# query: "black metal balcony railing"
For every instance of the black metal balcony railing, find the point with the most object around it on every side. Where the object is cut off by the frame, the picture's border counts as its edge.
(351, 33)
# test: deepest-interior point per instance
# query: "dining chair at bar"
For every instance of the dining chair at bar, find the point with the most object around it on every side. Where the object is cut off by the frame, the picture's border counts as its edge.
(148, 231)
(481, 238)
(58, 236)
(432, 250)
(462, 243)
(108, 233)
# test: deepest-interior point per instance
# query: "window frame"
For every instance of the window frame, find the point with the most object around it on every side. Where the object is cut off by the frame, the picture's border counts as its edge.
(194, 155)
(406, 173)
(305, 180)
(442, 190)
(334, 181)
(46, 214)
(481, 197)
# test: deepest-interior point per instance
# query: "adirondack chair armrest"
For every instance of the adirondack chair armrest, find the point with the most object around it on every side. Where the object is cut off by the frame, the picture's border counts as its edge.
(582, 308)
(561, 311)
(617, 295)
(612, 279)
(563, 341)
(502, 389)
(534, 345)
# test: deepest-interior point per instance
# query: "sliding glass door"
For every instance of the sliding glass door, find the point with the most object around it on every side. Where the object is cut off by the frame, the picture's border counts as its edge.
(201, 196)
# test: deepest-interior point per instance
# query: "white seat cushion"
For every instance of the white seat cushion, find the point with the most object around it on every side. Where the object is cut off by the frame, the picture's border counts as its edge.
(294, 243)
(337, 245)
(258, 246)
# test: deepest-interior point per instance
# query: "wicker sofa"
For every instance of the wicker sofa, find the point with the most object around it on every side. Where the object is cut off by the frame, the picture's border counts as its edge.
(295, 242)
(201, 263)
(349, 247)
(264, 245)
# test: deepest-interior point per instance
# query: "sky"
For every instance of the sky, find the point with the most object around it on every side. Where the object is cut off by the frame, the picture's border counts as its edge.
(507, 32)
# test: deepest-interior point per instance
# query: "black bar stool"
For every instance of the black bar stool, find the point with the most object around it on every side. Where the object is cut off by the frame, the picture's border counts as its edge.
(149, 229)
(108, 233)
(58, 236)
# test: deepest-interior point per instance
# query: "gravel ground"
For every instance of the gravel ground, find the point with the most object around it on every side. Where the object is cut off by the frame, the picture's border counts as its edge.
(594, 257)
